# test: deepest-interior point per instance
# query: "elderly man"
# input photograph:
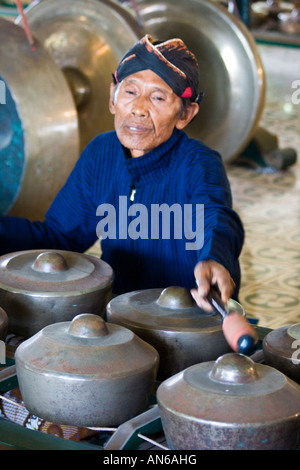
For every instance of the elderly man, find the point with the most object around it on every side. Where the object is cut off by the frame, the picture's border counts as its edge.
(129, 182)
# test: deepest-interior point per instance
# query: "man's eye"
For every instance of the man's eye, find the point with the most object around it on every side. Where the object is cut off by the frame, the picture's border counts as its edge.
(130, 92)
(159, 98)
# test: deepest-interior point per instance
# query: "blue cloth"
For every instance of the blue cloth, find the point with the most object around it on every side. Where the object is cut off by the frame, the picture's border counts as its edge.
(181, 171)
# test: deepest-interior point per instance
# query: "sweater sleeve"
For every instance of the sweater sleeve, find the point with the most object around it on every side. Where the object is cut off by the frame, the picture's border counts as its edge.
(72, 215)
(69, 224)
(223, 230)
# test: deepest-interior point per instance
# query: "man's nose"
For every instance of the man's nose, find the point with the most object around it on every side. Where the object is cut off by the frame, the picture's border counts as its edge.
(140, 107)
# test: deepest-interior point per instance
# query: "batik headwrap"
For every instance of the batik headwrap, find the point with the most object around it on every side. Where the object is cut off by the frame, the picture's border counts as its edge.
(170, 60)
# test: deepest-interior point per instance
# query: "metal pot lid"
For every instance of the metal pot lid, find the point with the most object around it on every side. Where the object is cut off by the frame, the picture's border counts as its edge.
(53, 272)
(172, 308)
(86, 346)
(284, 342)
(233, 389)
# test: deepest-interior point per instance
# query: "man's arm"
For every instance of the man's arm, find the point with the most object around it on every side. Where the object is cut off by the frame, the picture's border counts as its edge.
(70, 223)
(223, 229)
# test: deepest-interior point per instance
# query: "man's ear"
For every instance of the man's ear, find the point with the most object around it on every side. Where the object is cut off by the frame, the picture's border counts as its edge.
(188, 114)
(111, 99)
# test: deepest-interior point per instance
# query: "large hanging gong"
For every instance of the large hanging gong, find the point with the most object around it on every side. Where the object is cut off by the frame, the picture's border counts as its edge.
(39, 141)
(231, 72)
(86, 38)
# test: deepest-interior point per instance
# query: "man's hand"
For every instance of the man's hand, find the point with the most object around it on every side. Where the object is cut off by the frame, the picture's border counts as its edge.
(210, 273)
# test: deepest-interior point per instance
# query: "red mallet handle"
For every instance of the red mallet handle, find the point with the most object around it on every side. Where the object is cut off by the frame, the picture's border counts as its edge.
(238, 332)
(26, 26)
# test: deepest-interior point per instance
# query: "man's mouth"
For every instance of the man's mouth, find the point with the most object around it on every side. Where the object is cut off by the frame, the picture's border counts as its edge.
(137, 129)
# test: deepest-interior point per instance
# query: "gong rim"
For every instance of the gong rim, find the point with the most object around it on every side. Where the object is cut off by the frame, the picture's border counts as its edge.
(77, 34)
(44, 111)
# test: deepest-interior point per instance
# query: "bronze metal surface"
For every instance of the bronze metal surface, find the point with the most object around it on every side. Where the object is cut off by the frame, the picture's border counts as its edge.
(282, 350)
(86, 372)
(86, 38)
(3, 324)
(230, 404)
(231, 72)
(169, 319)
(48, 116)
(38, 287)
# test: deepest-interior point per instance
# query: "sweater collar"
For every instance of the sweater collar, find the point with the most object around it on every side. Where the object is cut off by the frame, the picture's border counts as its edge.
(154, 164)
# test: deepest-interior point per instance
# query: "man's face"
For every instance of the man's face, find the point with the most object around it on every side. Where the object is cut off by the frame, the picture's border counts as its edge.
(146, 112)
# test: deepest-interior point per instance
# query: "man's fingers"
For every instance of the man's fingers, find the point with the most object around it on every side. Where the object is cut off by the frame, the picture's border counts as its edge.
(201, 300)
(226, 287)
(210, 273)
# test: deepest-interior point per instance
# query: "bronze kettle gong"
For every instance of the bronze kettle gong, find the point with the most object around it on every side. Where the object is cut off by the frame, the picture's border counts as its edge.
(230, 404)
(38, 288)
(86, 372)
(282, 350)
(170, 320)
(3, 324)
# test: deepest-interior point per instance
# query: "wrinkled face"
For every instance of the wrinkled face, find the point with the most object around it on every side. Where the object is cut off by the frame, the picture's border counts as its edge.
(146, 112)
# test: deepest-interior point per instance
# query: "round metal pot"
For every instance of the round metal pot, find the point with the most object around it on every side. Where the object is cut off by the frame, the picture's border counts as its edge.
(281, 349)
(38, 288)
(3, 324)
(170, 320)
(86, 373)
(230, 404)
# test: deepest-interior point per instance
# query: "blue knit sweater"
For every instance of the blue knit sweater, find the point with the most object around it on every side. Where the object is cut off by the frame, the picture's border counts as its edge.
(181, 172)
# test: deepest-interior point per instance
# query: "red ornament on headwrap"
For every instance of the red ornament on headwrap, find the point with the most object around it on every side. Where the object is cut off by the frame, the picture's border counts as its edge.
(187, 93)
